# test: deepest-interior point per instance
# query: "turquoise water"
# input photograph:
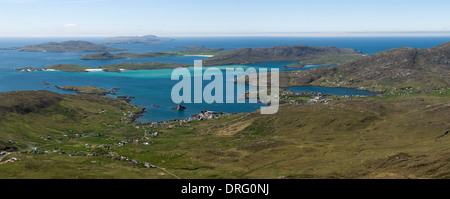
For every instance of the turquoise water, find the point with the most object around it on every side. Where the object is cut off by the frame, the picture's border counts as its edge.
(149, 87)
(369, 45)
(153, 87)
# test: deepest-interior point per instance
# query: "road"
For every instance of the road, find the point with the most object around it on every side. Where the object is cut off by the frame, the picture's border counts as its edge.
(1, 158)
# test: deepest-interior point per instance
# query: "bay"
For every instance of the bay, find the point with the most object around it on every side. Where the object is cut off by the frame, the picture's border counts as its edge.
(153, 87)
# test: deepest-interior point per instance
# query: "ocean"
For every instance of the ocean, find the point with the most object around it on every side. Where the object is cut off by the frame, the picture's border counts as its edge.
(153, 87)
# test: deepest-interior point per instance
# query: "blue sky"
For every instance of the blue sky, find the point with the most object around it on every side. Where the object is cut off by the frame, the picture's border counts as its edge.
(227, 17)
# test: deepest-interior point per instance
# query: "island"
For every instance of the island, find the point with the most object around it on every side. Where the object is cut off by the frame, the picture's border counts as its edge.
(180, 107)
(303, 54)
(107, 68)
(68, 46)
(189, 51)
(147, 39)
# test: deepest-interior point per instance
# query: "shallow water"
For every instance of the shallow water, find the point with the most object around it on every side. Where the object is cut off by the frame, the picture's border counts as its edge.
(153, 87)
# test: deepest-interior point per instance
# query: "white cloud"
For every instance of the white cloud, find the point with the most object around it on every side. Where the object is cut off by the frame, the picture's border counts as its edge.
(69, 25)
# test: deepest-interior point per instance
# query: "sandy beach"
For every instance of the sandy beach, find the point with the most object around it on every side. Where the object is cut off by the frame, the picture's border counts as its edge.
(94, 70)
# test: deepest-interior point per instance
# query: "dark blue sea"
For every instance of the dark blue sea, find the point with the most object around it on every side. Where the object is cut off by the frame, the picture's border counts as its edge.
(153, 87)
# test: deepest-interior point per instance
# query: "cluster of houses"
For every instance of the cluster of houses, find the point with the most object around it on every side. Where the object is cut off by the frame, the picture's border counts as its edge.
(134, 162)
(143, 140)
(319, 100)
(205, 115)
(127, 116)
(290, 98)
(95, 151)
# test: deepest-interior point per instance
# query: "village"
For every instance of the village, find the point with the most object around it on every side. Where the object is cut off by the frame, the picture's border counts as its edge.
(104, 150)
(108, 150)
(305, 98)
(149, 131)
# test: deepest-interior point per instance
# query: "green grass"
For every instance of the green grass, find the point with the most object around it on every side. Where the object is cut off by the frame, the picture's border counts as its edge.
(351, 138)
(85, 90)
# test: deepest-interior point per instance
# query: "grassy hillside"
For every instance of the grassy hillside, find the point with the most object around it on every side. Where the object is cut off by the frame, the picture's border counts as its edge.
(402, 133)
(28, 115)
(402, 68)
(301, 53)
(371, 137)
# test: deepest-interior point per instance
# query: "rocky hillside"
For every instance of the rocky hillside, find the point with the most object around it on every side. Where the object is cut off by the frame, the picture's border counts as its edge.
(392, 69)
(304, 54)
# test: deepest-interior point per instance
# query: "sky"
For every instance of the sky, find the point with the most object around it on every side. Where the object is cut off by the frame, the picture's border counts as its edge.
(223, 18)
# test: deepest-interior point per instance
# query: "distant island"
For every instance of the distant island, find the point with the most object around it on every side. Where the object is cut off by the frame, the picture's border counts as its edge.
(68, 46)
(147, 39)
(107, 68)
(190, 50)
(305, 55)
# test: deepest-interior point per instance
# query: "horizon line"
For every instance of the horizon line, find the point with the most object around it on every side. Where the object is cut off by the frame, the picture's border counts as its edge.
(271, 34)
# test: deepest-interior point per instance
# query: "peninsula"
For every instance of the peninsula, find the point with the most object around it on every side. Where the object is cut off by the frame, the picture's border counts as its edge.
(190, 50)
(90, 90)
(59, 67)
(107, 68)
(140, 66)
(302, 53)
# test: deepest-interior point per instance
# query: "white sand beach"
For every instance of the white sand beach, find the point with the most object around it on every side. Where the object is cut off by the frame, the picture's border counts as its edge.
(94, 70)
(200, 55)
